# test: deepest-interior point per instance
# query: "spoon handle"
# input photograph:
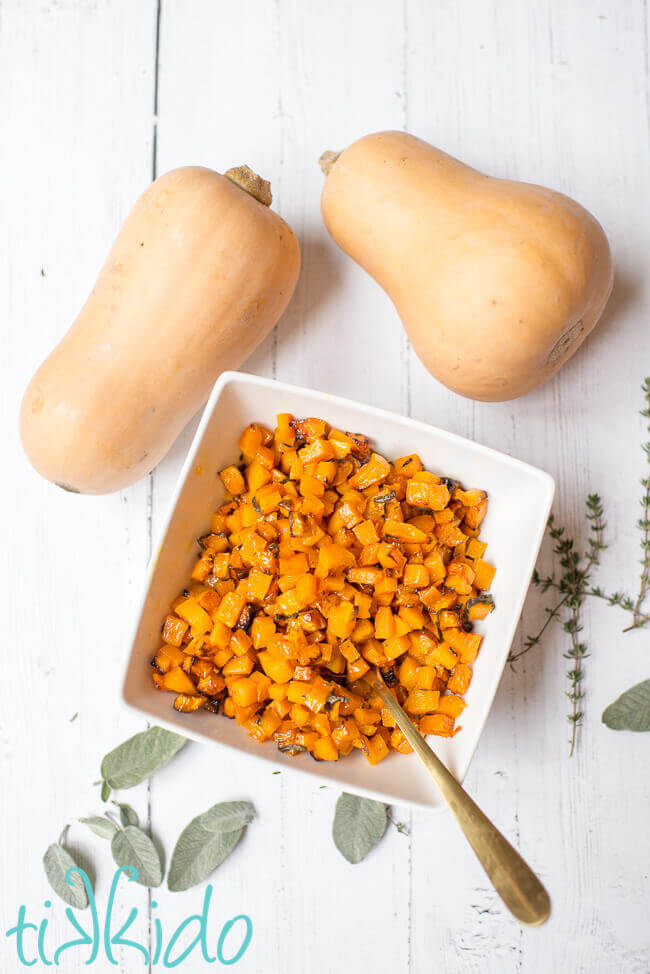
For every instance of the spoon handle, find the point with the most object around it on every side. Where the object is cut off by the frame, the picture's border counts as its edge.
(514, 881)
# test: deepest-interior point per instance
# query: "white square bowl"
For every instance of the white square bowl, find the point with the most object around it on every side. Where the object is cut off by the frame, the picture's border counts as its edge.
(520, 502)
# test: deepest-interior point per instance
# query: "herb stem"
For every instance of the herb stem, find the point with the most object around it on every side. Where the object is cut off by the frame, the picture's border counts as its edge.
(533, 640)
(644, 525)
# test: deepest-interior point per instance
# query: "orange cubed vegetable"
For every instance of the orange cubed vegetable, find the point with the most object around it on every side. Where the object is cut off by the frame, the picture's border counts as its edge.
(484, 574)
(199, 620)
(340, 622)
(230, 609)
(178, 681)
(416, 576)
(460, 678)
(421, 701)
(233, 480)
(173, 630)
(451, 705)
(440, 724)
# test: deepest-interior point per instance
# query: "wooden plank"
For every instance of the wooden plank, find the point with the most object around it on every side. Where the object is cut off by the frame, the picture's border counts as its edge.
(220, 111)
(555, 95)
(77, 86)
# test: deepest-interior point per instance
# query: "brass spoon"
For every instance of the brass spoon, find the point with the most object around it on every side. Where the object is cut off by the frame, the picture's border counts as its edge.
(514, 881)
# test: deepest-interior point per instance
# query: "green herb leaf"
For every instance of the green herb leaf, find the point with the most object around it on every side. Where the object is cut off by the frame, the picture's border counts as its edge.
(133, 847)
(139, 757)
(359, 824)
(206, 842)
(631, 711)
(56, 862)
(106, 791)
(103, 827)
(128, 815)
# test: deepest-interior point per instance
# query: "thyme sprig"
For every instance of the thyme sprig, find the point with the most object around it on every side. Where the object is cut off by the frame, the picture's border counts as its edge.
(635, 606)
(572, 585)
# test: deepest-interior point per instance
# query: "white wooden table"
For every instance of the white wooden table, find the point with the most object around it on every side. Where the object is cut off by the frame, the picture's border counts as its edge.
(96, 95)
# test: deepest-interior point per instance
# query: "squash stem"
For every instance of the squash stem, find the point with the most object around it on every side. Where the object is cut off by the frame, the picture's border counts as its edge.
(251, 183)
(327, 160)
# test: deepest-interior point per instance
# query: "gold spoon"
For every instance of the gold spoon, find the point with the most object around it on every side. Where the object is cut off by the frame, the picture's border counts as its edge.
(514, 881)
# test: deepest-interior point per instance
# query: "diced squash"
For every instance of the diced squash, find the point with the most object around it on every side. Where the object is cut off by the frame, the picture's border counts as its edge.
(230, 609)
(451, 705)
(460, 678)
(404, 532)
(174, 630)
(440, 724)
(199, 620)
(325, 561)
(422, 701)
(483, 575)
(177, 680)
(233, 480)
(374, 472)
(187, 704)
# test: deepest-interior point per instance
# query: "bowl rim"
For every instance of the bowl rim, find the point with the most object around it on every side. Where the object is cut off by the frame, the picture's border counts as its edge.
(490, 687)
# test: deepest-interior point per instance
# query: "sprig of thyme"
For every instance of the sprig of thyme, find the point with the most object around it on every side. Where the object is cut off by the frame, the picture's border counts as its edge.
(635, 606)
(572, 586)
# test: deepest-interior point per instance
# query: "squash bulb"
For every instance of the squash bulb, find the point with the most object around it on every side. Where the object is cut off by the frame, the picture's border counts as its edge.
(497, 283)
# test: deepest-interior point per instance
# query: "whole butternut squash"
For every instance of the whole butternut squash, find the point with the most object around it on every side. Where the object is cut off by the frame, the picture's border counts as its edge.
(199, 274)
(497, 283)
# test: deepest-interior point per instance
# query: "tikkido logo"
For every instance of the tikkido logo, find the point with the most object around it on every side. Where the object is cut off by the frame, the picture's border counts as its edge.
(31, 939)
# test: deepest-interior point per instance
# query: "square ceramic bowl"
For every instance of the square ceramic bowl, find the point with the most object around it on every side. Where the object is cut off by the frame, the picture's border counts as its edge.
(520, 501)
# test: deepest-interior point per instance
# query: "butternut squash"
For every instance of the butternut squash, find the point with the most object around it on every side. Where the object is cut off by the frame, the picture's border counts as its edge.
(497, 283)
(199, 274)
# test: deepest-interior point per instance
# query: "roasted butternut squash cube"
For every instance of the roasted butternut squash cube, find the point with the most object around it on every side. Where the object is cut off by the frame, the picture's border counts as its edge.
(341, 620)
(243, 691)
(233, 480)
(167, 657)
(230, 609)
(442, 725)
(186, 704)
(279, 670)
(451, 705)
(177, 680)
(421, 701)
(374, 472)
(404, 532)
(409, 465)
(199, 620)
(357, 669)
(173, 630)
(460, 678)
(334, 558)
(325, 749)
(483, 575)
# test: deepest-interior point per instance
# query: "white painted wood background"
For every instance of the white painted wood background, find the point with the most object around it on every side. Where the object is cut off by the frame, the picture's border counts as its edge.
(93, 95)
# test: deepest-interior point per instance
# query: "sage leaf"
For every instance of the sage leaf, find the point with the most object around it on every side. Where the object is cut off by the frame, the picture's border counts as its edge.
(133, 847)
(128, 815)
(359, 824)
(139, 757)
(631, 711)
(56, 862)
(106, 791)
(103, 827)
(206, 842)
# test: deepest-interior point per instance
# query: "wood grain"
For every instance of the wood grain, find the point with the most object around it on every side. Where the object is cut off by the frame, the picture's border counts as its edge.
(95, 97)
